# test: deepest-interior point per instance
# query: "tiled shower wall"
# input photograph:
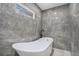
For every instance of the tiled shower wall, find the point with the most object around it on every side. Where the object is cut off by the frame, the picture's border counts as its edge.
(75, 28)
(56, 23)
(15, 27)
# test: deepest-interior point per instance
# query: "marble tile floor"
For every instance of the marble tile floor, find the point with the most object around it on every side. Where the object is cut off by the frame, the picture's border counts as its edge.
(59, 52)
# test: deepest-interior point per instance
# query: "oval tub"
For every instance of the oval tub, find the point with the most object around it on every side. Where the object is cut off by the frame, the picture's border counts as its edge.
(40, 47)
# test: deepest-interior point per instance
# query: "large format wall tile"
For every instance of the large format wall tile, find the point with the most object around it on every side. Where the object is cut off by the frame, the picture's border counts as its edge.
(15, 27)
(75, 28)
(56, 23)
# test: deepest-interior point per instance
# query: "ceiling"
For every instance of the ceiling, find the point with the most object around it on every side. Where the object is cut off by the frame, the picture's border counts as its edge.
(44, 6)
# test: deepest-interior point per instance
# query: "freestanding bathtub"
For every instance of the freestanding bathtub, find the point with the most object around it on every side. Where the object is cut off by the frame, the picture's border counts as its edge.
(40, 47)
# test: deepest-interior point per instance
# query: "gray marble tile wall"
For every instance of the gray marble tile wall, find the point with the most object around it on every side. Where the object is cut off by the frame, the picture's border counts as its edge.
(15, 27)
(56, 23)
(75, 29)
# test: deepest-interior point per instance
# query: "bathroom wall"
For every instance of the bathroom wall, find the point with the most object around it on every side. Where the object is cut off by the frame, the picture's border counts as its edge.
(15, 27)
(56, 23)
(75, 29)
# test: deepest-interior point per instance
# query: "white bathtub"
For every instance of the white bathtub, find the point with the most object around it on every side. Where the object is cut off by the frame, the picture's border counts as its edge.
(40, 47)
